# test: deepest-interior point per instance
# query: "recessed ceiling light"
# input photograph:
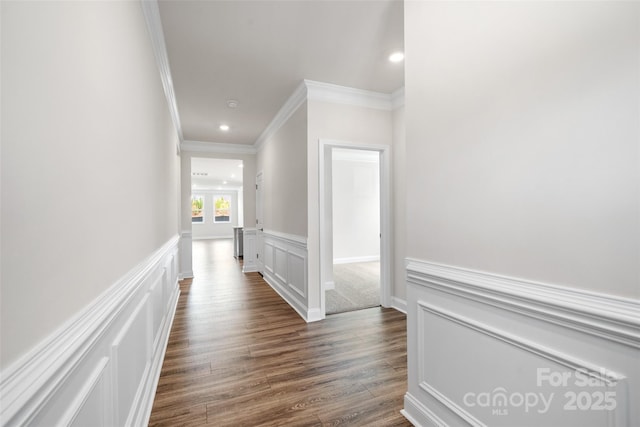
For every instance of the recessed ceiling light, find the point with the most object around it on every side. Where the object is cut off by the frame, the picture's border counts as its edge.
(224, 182)
(396, 57)
(232, 103)
(224, 128)
(241, 165)
(233, 175)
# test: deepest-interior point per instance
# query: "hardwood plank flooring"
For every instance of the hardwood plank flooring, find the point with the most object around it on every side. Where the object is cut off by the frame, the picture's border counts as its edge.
(238, 355)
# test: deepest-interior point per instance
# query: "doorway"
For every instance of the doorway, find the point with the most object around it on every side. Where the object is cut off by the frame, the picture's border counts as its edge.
(354, 226)
(217, 206)
(260, 222)
(355, 177)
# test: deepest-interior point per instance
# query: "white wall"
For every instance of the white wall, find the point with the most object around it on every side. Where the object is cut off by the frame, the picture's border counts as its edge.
(210, 229)
(522, 140)
(523, 209)
(89, 166)
(282, 160)
(356, 205)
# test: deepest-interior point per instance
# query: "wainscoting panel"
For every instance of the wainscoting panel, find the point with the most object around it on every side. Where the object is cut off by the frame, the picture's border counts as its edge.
(90, 408)
(281, 264)
(130, 356)
(249, 252)
(297, 273)
(269, 264)
(102, 367)
(285, 269)
(490, 350)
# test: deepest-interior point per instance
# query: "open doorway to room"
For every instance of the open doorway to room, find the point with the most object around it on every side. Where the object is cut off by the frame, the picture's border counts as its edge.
(356, 231)
(216, 198)
(369, 176)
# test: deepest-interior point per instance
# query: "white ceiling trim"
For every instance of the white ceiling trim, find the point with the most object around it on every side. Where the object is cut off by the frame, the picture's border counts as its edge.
(151, 14)
(397, 98)
(217, 147)
(286, 111)
(327, 92)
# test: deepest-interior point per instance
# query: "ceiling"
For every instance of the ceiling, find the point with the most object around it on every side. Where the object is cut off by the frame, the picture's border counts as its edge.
(258, 53)
(216, 174)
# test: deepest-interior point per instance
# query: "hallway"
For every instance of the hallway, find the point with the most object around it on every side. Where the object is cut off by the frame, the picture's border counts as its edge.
(239, 355)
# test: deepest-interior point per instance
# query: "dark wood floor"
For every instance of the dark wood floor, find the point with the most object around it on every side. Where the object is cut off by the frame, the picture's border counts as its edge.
(238, 355)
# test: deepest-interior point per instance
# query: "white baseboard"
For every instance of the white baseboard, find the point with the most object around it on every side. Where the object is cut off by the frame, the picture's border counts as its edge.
(352, 260)
(418, 414)
(185, 275)
(399, 304)
(314, 314)
(506, 333)
(101, 368)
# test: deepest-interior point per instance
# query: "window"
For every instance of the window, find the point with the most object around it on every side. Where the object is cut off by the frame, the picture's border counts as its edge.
(222, 209)
(197, 209)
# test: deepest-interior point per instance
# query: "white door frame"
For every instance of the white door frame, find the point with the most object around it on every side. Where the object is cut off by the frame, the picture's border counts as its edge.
(326, 193)
(260, 222)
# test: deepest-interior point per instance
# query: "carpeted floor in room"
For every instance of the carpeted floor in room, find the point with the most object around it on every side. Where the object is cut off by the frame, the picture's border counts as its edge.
(357, 286)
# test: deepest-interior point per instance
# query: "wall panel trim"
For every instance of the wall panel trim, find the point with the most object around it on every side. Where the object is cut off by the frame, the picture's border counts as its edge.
(55, 369)
(605, 316)
(516, 327)
(287, 274)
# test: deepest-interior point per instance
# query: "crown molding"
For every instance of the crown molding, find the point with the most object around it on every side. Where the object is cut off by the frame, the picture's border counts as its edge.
(151, 14)
(310, 90)
(397, 98)
(327, 92)
(286, 111)
(217, 147)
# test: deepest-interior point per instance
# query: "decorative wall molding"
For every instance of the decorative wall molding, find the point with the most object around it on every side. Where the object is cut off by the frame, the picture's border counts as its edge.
(327, 92)
(249, 264)
(297, 98)
(614, 318)
(285, 270)
(512, 329)
(151, 14)
(216, 147)
(397, 98)
(291, 239)
(607, 376)
(68, 379)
